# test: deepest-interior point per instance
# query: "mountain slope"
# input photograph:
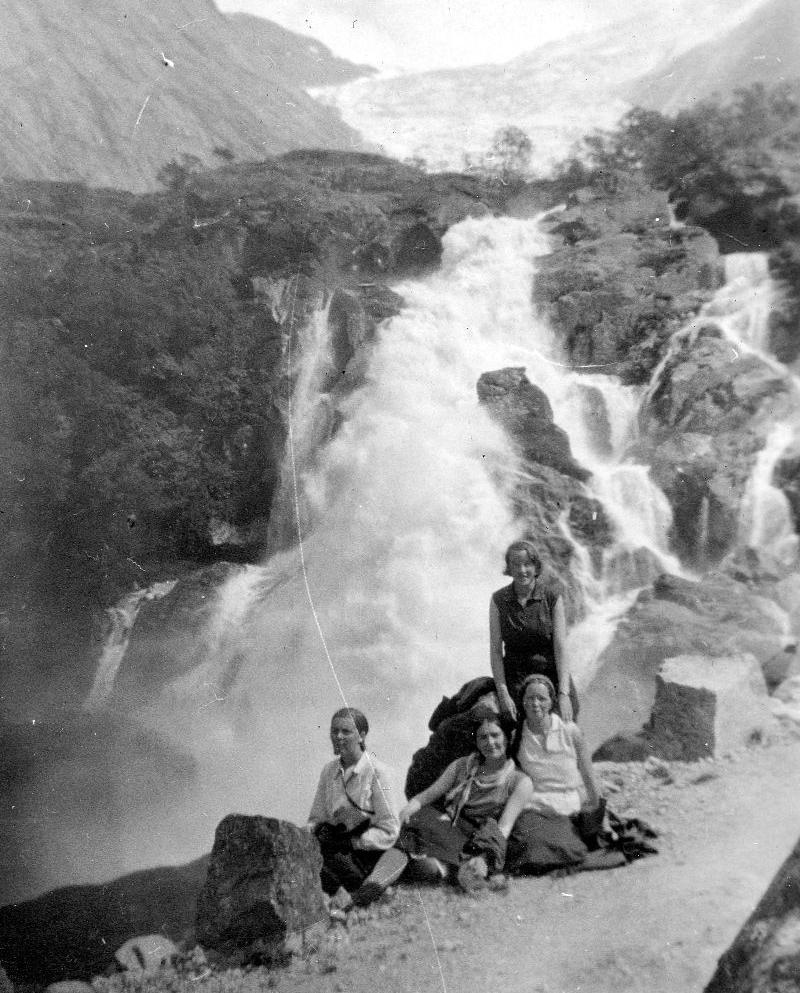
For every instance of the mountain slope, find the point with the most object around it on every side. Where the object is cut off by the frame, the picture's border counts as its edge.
(110, 93)
(765, 48)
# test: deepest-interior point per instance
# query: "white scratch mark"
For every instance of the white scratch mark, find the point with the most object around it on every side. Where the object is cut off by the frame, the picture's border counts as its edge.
(197, 20)
(146, 101)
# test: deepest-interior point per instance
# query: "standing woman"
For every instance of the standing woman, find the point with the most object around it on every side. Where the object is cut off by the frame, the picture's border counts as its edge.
(527, 632)
(353, 814)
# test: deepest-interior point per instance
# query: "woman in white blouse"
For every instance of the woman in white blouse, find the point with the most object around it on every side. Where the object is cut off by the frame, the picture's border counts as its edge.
(353, 814)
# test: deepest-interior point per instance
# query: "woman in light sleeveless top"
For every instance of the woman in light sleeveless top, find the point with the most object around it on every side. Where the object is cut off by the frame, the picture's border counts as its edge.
(553, 753)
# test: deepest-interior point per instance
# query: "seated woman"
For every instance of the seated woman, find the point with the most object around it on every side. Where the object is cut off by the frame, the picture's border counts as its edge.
(554, 755)
(482, 795)
(353, 814)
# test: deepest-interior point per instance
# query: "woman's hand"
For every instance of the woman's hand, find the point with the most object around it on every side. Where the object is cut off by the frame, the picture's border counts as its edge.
(565, 707)
(507, 705)
(409, 810)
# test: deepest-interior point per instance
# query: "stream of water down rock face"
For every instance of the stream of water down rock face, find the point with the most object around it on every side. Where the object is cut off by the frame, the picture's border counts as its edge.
(384, 604)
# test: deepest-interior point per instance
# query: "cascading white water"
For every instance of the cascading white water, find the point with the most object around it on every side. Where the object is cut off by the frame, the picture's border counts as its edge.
(743, 305)
(121, 619)
(384, 605)
(766, 519)
(311, 421)
(741, 309)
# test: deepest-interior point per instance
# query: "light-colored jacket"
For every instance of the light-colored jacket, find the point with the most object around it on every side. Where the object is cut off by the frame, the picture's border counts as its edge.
(349, 796)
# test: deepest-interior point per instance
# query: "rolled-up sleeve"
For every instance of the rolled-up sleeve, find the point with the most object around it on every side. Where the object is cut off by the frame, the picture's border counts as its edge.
(385, 824)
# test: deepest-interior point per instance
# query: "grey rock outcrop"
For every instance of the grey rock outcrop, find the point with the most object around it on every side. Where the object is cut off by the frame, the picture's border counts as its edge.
(765, 955)
(525, 412)
(704, 707)
(715, 617)
(262, 892)
(624, 280)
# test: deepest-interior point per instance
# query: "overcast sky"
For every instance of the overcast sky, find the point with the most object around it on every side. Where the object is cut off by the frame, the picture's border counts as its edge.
(426, 34)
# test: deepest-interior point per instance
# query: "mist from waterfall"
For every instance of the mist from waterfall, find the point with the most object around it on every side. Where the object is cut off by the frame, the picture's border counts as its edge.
(404, 517)
(384, 603)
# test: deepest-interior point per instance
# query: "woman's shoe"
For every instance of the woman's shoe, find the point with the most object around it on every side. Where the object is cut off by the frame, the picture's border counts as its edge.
(472, 875)
(388, 869)
(426, 869)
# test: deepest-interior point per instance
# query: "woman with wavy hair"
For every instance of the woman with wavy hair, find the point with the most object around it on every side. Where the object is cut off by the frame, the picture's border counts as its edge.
(527, 632)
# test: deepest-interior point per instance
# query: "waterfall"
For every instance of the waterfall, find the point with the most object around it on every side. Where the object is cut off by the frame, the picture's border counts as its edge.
(384, 604)
(308, 362)
(766, 520)
(743, 305)
(120, 621)
(741, 309)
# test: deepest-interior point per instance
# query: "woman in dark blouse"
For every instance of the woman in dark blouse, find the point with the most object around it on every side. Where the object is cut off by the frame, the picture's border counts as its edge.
(527, 632)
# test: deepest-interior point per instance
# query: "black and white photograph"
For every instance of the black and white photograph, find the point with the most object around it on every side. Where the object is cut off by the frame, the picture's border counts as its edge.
(400, 496)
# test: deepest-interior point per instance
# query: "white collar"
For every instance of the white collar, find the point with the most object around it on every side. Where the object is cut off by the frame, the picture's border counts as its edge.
(357, 767)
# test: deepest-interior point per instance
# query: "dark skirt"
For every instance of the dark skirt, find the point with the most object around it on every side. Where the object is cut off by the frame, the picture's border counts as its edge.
(429, 832)
(541, 842)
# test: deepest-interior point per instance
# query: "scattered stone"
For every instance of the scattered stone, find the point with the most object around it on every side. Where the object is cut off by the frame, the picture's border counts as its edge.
(705, 777)
(782, 666)
(6, 986)
(765, 955)
(146, 955)
(658, 769)
(66, 986)
(262, 887)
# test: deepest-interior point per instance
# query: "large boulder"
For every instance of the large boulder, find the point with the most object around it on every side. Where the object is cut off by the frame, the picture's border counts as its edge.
(704, 707)
(765, 955)
(525, 412)
(715, 617)
(72, 933)
(262, 892)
